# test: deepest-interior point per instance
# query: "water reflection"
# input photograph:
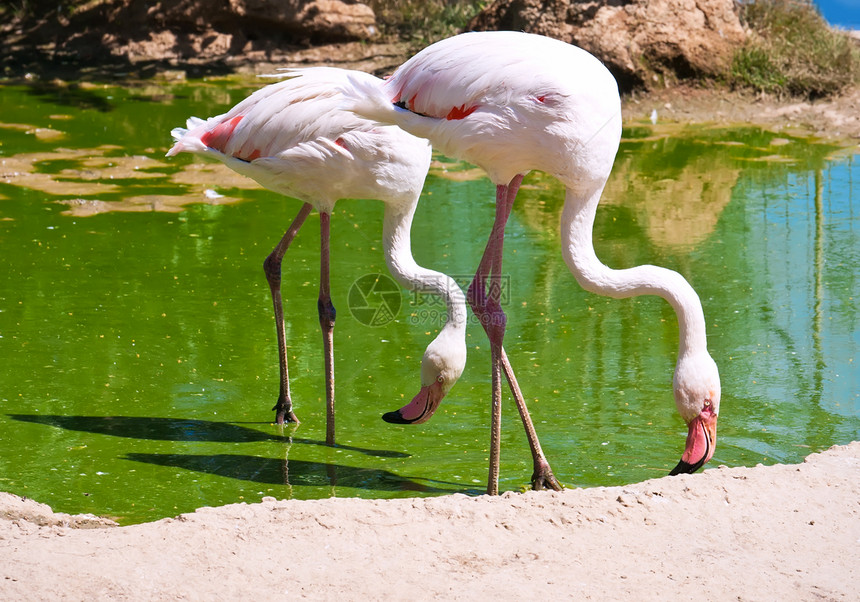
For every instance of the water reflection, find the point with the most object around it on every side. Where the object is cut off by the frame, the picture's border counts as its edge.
(677, 203)
(137, 347)
(82, 96)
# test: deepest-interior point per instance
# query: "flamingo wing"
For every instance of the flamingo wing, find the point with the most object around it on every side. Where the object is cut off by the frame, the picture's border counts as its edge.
(292, 136)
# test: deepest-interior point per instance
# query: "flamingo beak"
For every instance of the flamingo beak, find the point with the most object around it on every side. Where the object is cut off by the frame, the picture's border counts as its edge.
(420, 409)
(701, 442)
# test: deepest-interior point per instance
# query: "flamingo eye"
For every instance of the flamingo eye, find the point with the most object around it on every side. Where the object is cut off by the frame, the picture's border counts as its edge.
(439, 379)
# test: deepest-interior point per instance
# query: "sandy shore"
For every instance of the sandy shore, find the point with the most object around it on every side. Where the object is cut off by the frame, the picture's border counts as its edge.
(784, 532)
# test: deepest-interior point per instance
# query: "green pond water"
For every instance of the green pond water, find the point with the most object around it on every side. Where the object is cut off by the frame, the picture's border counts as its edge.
(137, 344)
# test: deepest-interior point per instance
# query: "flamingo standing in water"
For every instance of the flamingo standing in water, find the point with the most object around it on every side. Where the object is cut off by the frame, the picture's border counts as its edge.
(512, 102)
(293, 138)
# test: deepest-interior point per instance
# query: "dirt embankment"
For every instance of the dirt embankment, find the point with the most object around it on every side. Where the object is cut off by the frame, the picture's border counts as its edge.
(836, 119)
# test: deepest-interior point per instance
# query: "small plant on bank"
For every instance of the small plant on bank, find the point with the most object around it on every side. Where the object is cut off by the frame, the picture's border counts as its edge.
(792, 51)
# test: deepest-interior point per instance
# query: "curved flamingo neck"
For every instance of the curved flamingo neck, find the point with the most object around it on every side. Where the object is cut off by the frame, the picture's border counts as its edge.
(577, 223)
(397, 242)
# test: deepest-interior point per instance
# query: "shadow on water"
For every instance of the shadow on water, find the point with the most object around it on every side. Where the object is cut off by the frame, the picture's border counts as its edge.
(70, 95)
(178, 429)
(290, 472)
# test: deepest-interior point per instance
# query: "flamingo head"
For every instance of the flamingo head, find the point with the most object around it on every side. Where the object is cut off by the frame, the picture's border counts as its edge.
(441, 367)
(697, 396)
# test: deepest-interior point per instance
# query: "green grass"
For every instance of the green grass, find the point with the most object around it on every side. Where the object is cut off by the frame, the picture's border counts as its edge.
(792, 51)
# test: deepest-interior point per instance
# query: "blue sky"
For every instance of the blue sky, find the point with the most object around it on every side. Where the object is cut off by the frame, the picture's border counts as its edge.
(844, 13)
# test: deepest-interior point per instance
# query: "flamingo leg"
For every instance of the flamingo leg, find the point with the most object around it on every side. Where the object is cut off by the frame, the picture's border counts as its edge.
(487, 307)
(272, 267)
(327, 316)
(485, 302)
(542, 477)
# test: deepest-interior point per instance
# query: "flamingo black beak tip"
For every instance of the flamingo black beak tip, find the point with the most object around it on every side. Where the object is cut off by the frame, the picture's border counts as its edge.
(395, 417)
(686, 468)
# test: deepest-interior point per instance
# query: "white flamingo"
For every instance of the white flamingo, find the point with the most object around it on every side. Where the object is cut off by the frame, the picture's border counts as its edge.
(511, 102)
(292, 137)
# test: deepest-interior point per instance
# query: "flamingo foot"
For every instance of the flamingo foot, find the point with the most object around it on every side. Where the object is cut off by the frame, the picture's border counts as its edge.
(542, 478)
(284, 412)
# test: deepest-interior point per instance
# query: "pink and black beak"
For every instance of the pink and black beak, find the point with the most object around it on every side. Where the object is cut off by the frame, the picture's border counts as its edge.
(701, 442)
(421, 408)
